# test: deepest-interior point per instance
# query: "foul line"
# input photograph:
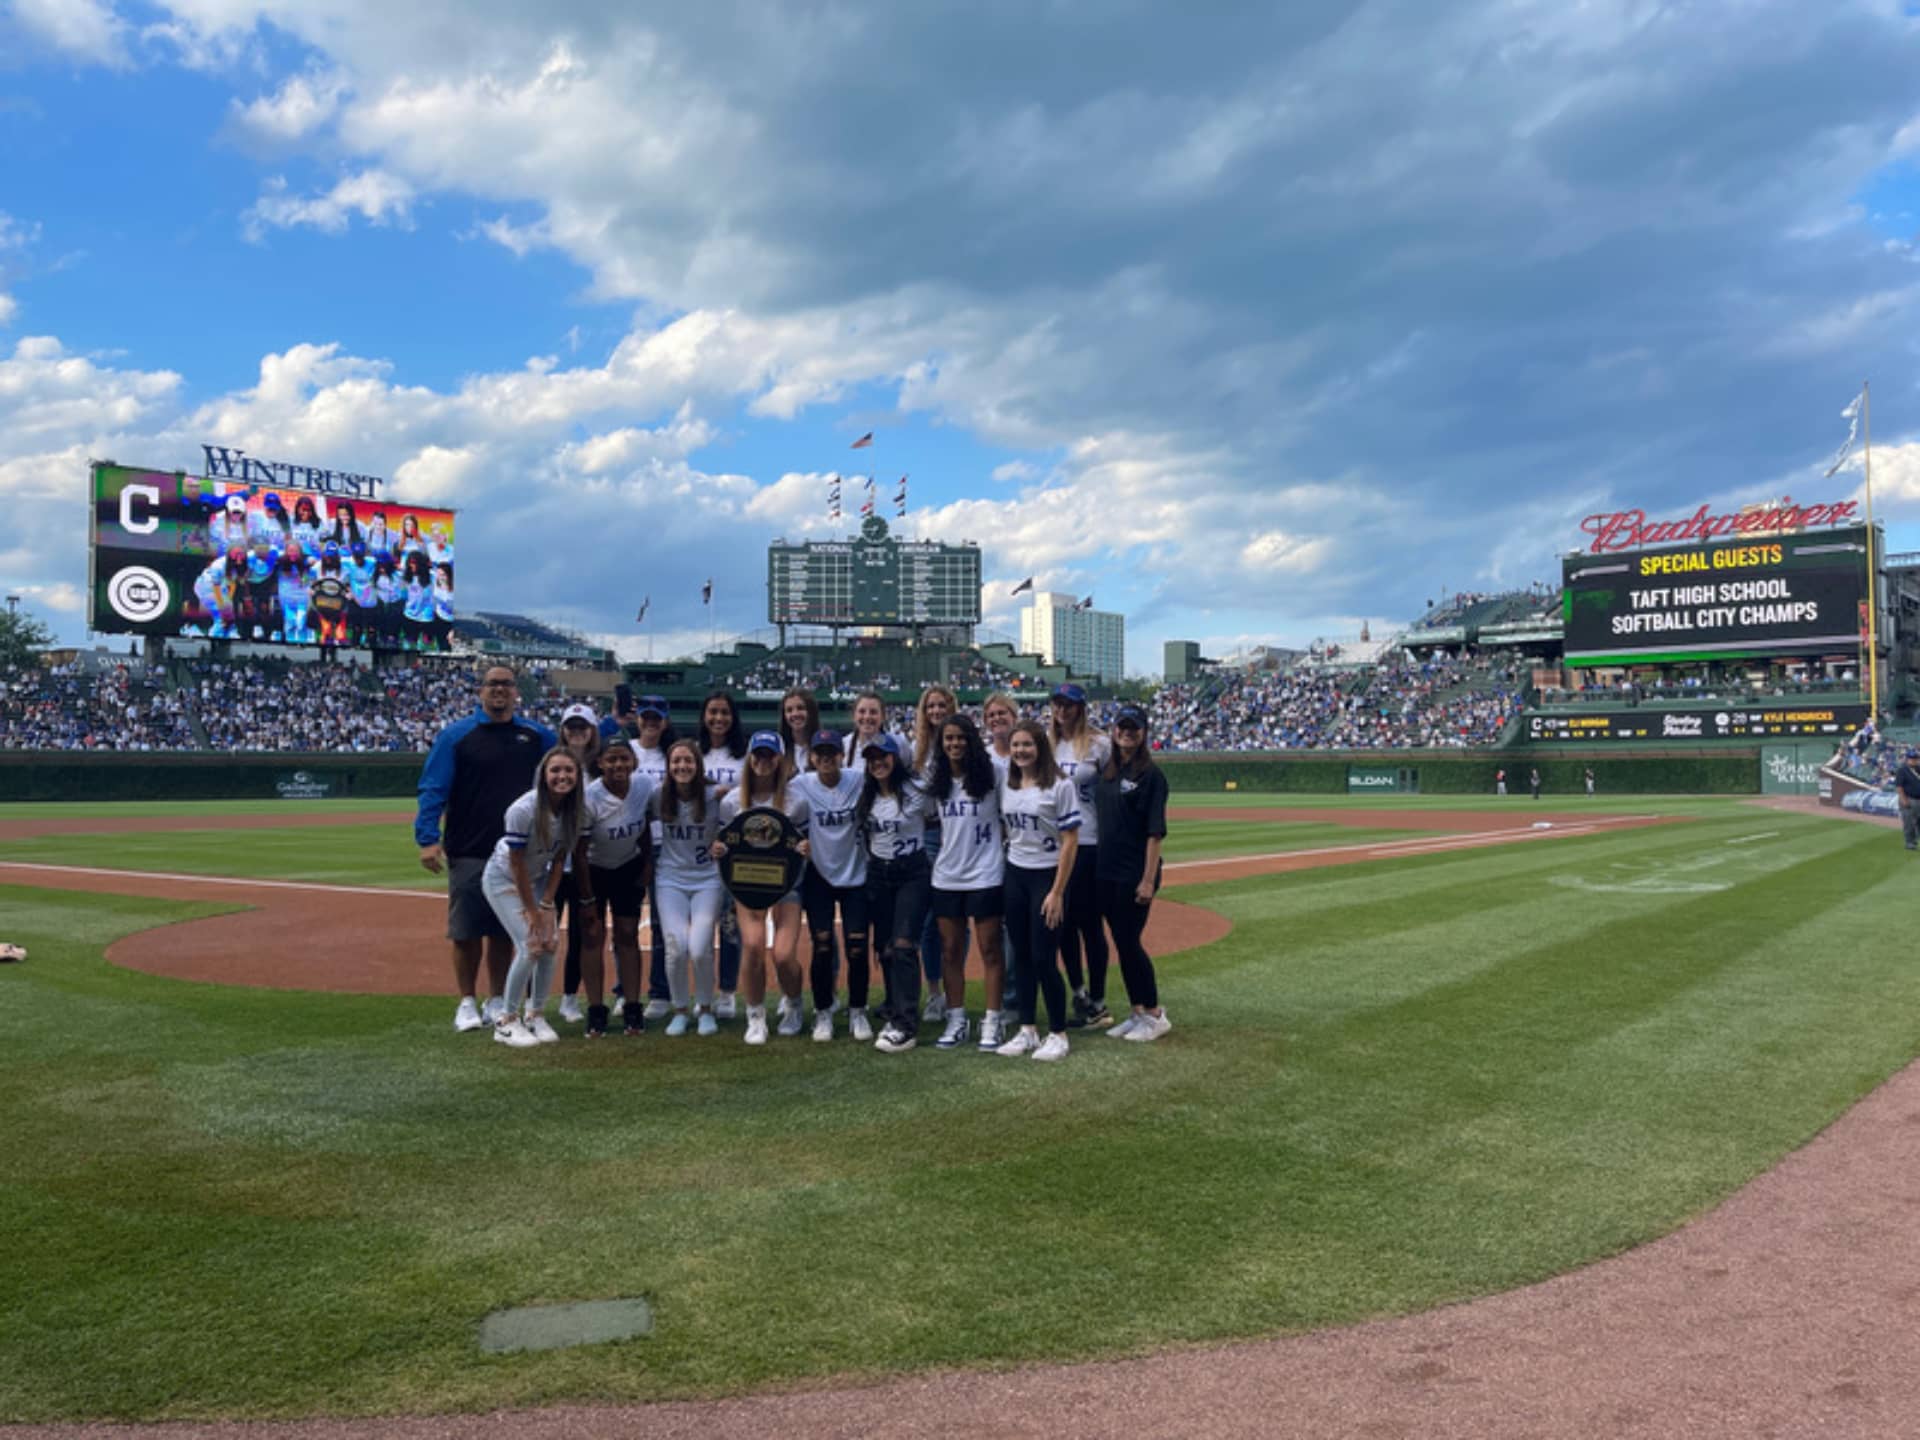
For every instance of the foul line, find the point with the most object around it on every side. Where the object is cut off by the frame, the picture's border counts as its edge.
(1391, 849)
(218, 880)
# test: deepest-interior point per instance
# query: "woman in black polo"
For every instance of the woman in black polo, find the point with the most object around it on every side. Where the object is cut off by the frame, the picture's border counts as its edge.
(1131, 796)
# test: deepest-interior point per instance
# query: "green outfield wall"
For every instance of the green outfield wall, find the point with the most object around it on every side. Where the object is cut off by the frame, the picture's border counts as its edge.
(45, 775)
(1662, 771)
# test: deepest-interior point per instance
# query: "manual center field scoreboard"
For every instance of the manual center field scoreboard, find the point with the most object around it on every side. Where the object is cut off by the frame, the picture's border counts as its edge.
(873, 579)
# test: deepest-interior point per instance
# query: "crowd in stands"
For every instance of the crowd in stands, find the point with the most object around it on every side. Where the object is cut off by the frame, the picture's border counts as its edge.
(1870, 756)
(249, 705)
(845, 678)
(1439, 702)
(1733, 688)
(79, 707)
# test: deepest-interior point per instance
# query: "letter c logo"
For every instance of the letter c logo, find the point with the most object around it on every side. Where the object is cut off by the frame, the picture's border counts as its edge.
(148, 521)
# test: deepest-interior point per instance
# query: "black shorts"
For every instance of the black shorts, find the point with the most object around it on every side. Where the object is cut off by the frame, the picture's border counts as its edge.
(469, 913)
(989, 904)
(622, 888)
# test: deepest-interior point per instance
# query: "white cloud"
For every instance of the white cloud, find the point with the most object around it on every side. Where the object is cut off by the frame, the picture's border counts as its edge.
(85, 29)
(374, 195)
(1278, 552)
(302, 105)
(65, 598)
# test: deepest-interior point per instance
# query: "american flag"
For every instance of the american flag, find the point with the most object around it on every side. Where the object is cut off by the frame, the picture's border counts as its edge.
(863, 442)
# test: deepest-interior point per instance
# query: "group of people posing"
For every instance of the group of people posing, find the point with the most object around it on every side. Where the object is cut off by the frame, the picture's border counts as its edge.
(319, 577)
(1027, 844)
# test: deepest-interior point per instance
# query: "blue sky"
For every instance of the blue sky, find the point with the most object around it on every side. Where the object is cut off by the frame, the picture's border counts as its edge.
(1254, 324)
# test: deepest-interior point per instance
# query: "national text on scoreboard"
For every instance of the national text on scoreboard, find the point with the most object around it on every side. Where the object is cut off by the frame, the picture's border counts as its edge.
(873, 579)
(1786, 595)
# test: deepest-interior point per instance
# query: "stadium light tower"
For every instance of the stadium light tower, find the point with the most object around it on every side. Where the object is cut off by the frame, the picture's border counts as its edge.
(13, 604)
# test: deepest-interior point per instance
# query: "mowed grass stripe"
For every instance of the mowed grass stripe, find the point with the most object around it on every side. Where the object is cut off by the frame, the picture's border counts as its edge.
(1391, 1086)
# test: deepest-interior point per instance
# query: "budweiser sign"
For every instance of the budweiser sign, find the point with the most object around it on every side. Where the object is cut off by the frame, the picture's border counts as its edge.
(1630, 529)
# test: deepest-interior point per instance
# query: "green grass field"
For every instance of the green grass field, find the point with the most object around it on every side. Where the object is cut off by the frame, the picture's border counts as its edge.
(1393, 1085)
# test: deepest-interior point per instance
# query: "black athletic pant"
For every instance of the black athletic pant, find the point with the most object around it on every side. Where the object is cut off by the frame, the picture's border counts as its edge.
(897, 901)
(1033, 946)
(1126, 917)
(1082, 928)
(819, 899)
(575, 921)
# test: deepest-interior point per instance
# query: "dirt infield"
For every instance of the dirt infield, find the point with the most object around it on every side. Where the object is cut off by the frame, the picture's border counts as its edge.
(364, 940)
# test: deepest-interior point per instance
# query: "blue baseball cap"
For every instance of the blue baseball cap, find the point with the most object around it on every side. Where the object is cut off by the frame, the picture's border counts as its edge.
(332, 552)
(272, 502)
(359, 548)
(765, 740)
(885, 743)
(1131, 715)
(1071, 693)
(1912, 753)
(654, 705)
(826, 740)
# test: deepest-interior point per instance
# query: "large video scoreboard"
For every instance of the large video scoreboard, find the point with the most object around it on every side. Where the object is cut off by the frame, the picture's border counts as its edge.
(1783, 595)
(873, 579)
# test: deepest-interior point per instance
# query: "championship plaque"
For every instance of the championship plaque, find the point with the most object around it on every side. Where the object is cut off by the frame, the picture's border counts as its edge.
(763, 860)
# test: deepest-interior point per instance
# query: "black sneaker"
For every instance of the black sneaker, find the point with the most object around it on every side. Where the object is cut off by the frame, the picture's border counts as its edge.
(1082, 1009)
(1097, 1016)
(596, 1021)
(634, 1013)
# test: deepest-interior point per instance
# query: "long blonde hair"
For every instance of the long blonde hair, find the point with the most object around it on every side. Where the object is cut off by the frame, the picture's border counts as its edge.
(782, 772)
(1086, 731)
(925, 738)
(549, 810)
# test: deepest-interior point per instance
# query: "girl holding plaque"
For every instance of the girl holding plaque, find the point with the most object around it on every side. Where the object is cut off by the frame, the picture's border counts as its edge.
(765, 783)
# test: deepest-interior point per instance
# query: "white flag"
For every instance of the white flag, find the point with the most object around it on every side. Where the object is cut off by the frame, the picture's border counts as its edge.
(1852, 416)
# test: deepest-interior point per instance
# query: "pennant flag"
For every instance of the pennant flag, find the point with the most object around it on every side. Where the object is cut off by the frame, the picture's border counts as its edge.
(645, 605)
(706, 592)
(863, 442)
(1852, 416)
(866, 507)
(1026, 584)
(1086, 604)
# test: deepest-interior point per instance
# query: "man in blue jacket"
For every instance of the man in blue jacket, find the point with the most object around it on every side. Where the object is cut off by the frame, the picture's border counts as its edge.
(479, 765)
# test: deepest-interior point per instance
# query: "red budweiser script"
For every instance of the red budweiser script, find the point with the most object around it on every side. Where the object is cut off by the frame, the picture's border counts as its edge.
(1629, 530)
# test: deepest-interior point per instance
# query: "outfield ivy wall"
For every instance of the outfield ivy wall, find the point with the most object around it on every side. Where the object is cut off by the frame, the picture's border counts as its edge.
(61, 775)
(1450, 772)
(45, 775)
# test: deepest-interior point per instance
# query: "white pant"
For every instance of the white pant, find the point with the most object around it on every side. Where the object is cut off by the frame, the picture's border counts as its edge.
(528, 966)
(687, 920)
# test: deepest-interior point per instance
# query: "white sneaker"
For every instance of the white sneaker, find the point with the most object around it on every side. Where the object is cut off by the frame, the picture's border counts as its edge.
(990, 1030)
(542, 1031)
(706, 1025)
(894, 1041)
(936, 1007)
(822, 1026)
(1054, 1047)
(791, 1020)
(511, 1032)
(725, 1007)
(657, 1010)
(859, 1026)
(955, 1032)
(1151, 1027)
(1023, 1042)
(495, 1010)
(1124, 1028)
(467, 1017)
(570, 1009)
(756, 1024)
(679, 1024)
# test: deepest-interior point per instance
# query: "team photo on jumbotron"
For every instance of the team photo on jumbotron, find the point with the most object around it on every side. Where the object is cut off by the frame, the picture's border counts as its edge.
(859, 720)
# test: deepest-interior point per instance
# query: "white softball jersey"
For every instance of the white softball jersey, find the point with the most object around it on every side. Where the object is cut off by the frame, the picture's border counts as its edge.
(619, 822)
(833, 829)
(897, 824)
(1081, 761)
(723, 767)
(972, 855)
(1036, 816)
(653, 765)
(686, 856)
(796, 807)
(519, 835)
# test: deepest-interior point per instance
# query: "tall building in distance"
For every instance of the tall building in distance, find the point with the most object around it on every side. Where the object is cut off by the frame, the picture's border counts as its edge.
(1090, 642)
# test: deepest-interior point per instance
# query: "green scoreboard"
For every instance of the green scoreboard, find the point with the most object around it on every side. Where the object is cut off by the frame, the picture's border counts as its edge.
(873, 579)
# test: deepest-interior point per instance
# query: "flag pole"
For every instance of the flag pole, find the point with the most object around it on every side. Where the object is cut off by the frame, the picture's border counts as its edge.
(1873, 602)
